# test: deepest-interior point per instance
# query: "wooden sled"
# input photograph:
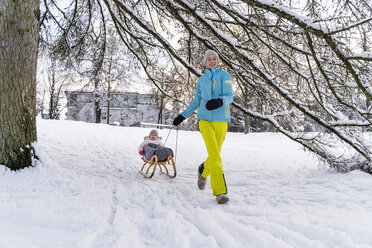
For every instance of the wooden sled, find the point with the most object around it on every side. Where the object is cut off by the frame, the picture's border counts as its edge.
(149, 167)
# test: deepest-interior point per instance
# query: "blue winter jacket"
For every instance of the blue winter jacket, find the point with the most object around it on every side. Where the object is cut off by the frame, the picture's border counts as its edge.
(215, 83)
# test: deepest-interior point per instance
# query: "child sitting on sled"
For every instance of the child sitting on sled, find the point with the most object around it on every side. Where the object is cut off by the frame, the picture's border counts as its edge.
(152, 145)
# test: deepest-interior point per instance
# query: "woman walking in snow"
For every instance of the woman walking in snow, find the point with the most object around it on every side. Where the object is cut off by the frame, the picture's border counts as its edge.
(213, 96)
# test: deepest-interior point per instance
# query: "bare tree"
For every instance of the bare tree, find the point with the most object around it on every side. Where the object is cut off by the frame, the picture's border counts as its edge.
(56, 80)
(299, 66)
(302, 63)
(19, 33)
(117, 68)
(171, 82)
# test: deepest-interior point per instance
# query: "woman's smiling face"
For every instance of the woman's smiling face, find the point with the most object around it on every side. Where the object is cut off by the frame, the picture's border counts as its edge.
(212, 61)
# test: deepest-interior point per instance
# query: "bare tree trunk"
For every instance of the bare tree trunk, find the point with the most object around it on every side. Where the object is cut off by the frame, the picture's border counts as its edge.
(19, 34)
(52, 95)
(369, 116)
(97, 110)
(160, 114)
(42, 105)
(108, 102)
(109, 92)
(97, 103)
(246, 123)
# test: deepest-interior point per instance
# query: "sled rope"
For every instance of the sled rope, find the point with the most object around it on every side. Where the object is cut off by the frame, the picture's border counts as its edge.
(167, 136)
(175, 151)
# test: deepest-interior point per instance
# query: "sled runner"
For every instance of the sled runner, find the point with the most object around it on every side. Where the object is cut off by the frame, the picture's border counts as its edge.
(167, 167)
(158, 157)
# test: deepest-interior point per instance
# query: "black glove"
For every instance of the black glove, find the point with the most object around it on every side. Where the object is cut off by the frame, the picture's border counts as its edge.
(178, 120)
(214, 104)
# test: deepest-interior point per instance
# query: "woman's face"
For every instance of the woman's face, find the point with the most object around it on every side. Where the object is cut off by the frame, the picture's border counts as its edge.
(153, 136)
(212, 61)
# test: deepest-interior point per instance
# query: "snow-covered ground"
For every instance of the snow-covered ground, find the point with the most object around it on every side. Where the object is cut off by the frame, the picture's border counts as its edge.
(87, 192)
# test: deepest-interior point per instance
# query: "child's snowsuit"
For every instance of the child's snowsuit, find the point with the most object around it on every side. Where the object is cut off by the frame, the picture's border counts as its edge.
(151, 147)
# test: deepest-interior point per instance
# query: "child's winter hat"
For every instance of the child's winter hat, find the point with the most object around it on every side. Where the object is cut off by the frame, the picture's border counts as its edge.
(154, 132)
(209, 52)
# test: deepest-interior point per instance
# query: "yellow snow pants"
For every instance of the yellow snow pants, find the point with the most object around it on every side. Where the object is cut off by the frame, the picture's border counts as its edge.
(214, 134)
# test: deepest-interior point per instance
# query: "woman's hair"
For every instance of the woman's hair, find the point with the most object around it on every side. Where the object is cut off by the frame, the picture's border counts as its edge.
(209, 52)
